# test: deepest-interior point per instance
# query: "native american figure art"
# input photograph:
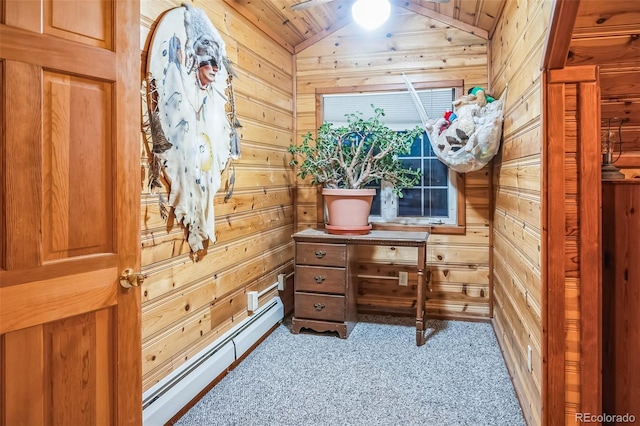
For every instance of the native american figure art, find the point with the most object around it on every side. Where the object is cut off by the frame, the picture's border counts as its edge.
(189, 118)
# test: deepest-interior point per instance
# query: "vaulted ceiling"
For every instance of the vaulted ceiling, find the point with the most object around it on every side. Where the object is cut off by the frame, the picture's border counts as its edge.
(605, 30)
(299, 28)
(604, 33)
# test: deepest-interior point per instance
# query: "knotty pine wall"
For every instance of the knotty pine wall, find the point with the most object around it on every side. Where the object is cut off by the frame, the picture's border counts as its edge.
(516, 54)
(425, 50)
(187, 304)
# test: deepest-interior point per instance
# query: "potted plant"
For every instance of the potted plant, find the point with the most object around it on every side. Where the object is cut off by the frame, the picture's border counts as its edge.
(345, 159)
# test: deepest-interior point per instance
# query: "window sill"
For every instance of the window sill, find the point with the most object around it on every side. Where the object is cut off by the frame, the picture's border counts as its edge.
(431, 229)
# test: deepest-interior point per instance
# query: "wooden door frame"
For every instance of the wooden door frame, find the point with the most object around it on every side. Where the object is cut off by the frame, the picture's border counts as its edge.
(555, 78)
(127, 49)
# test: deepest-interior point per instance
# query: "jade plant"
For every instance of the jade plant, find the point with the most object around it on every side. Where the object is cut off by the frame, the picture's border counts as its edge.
(365, 150)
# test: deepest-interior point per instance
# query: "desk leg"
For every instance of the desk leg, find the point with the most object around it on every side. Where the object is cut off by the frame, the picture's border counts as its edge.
(421, 298)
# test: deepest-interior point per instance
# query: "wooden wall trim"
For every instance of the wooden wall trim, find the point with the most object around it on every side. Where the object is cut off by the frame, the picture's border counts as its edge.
(576, 74)
(589, 202)
(553, 182)
(590, 252)
(458, 84)
(563, 18)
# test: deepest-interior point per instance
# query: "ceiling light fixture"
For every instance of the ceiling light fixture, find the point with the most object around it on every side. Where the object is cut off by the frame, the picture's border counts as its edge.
(370, 14)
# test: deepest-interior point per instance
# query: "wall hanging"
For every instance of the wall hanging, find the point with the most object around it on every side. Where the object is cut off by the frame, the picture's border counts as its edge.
(189, 119)
(468, 137)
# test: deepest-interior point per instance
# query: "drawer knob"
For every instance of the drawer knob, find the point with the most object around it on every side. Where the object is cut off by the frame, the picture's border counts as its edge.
(319, 279)
(320, 254)
(319, 306)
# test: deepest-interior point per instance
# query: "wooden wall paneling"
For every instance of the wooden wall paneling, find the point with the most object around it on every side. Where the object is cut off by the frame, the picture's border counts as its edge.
(622, 107)
(171, 276)
(516, 36)
(519, 298)
(174, 306)
(348, 59)
(524, 143)
(527, 236)
(526, 106)
(619, 15)
(516, 49)
(609, 50)
(514, 302)
(528, 391)
(265, 23)
(525, 206)
(619, 82)
(187, 304)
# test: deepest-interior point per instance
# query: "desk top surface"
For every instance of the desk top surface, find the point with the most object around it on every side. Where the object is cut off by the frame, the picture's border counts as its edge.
(406, 238)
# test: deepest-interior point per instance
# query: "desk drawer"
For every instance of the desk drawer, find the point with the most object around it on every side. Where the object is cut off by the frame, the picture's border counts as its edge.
(320, 306)
(321, 254)
(318, 279)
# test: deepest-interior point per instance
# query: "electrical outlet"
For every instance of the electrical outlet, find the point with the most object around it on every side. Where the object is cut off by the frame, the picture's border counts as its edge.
(282, 282)
(403, 278)
(252, 301)
(529, 361)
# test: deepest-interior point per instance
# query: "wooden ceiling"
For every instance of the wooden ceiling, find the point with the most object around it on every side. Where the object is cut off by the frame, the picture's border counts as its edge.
(298, 29)
(607, 34)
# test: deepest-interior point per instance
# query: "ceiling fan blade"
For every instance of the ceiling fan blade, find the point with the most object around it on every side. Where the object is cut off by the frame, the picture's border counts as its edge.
(308, 3)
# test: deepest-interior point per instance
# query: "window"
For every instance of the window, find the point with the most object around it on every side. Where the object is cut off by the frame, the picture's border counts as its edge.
(437, 198)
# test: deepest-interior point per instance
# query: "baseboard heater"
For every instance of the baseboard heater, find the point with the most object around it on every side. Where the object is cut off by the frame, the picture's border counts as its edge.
(166, 398)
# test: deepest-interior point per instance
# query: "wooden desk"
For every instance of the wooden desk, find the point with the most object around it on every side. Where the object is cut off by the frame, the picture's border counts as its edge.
(326, 283)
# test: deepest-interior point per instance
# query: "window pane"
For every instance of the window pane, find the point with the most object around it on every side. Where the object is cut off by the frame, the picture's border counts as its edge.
(430, 196)
(376, 204)
(410, 203)
(414, 163)
(428, 150)
(436, 173)
(416, 148)
(435, 203)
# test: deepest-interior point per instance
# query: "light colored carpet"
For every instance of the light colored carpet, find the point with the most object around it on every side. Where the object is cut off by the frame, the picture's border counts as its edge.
(377, 376)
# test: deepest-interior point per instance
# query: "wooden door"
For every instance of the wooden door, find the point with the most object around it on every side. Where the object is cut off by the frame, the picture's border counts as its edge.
(70, 107)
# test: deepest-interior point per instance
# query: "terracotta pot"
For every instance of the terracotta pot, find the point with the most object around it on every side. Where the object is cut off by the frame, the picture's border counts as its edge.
(348, 210)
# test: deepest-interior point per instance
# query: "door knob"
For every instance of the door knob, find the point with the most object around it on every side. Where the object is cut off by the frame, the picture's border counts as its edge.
(129, 279)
